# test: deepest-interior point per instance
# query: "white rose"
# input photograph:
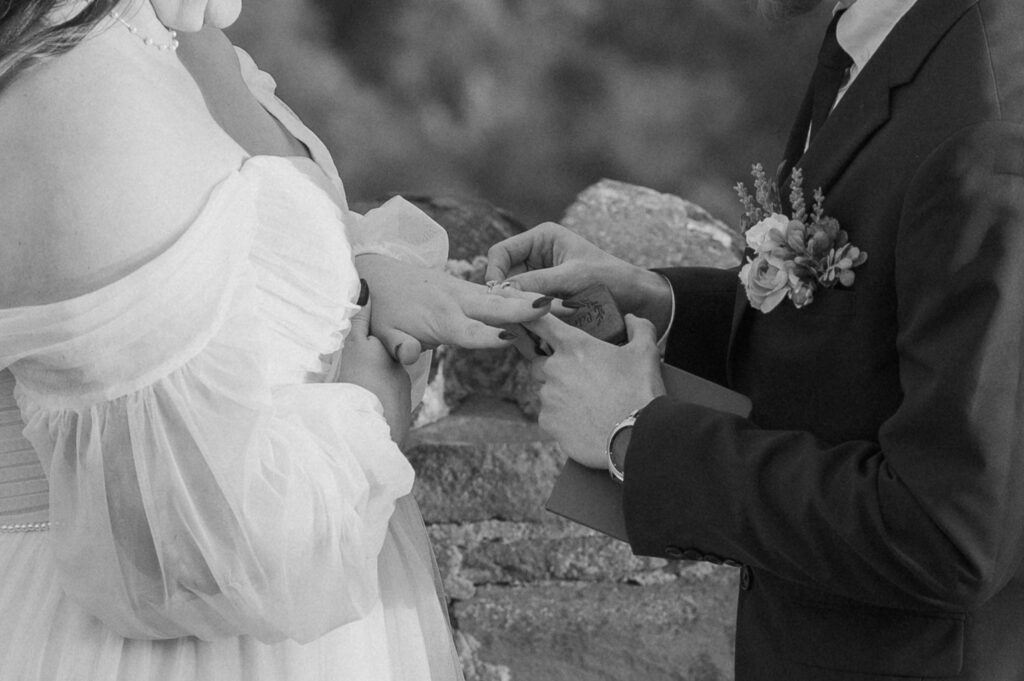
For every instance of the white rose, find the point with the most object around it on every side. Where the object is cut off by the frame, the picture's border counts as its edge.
(759, 236)
(766, 284)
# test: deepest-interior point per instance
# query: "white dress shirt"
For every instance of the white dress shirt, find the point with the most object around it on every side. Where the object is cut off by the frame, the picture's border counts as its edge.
(863, 28)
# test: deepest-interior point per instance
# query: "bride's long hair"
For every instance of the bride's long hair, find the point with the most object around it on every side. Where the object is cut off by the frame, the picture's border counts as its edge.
(26, 36)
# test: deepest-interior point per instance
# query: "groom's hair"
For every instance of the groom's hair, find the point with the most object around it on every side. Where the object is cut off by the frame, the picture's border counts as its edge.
(778, 10)
(26, 37)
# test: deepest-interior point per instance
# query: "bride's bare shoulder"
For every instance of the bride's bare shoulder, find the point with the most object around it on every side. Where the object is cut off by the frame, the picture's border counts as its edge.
(107, 157)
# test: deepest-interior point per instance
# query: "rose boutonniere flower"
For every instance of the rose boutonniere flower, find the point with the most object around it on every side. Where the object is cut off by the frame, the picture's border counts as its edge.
(794, 256)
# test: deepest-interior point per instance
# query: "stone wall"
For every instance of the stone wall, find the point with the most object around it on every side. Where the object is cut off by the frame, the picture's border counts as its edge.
(534, 597)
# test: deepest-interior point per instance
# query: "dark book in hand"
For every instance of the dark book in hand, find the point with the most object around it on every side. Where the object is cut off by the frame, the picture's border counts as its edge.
(589, 496)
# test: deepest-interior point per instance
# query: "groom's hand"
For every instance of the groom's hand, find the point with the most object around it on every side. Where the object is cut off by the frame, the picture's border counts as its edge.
(551, 259)
(589, 385)
(415, 308)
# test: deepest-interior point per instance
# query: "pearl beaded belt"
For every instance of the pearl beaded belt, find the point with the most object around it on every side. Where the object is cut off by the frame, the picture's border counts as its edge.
(25, 527)
(24, 493)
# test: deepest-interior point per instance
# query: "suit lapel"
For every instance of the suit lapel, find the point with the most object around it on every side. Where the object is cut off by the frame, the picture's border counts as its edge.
(866, 105)
(864, 108)
(861, 112)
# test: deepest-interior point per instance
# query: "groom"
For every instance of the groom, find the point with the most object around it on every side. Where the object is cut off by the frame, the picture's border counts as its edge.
(875, 497)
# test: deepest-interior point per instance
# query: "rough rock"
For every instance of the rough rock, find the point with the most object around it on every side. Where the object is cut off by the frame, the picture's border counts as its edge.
(652, 229)
(482, 463)
(538, 598)
(591, 632)
(472, 666)
(500, 374)
(501, 552)
(462, 482)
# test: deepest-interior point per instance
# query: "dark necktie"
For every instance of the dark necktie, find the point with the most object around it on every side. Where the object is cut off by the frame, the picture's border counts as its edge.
(825, 83)
(828, 76)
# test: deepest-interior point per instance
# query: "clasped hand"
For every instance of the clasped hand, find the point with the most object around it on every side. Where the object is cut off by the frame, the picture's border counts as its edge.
(551, 259)
(588, 385)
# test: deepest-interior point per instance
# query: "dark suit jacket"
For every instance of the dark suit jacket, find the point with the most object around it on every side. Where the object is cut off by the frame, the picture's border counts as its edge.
(876, 495)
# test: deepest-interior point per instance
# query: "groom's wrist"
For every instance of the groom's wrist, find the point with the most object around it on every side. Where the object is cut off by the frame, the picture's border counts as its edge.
(656, 301)
(618, 445)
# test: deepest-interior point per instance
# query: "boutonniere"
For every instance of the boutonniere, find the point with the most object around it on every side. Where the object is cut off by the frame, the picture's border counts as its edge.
(794, 255)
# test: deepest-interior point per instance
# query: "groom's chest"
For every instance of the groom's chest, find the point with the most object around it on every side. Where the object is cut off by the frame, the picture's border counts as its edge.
(832, 367)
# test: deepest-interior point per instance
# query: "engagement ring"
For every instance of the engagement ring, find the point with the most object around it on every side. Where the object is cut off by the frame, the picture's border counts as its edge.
(495, 284)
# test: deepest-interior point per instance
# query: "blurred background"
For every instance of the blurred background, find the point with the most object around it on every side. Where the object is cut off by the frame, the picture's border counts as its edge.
(525, 103)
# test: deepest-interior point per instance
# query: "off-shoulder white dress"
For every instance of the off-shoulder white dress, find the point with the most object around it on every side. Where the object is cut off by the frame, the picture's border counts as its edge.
(218, 509)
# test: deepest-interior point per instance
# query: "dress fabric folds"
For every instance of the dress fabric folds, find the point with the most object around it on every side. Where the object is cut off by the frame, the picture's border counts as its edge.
(218, 510)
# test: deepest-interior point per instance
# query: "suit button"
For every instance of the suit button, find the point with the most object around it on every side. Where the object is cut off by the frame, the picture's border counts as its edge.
(711, 558)
(731, 563)
(674, 552)
(691, 554)
(745, 578)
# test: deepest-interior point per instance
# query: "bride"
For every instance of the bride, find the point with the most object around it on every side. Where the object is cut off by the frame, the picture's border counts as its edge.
(208, 487)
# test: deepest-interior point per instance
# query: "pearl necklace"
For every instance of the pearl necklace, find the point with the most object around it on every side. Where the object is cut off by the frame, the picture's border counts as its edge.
(172, 46)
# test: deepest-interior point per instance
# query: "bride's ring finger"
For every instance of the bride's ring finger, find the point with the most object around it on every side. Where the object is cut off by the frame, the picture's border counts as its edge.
(559, 307)
(500, 306)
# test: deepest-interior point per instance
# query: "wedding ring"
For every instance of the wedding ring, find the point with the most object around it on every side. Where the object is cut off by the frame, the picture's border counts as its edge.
(495, 284)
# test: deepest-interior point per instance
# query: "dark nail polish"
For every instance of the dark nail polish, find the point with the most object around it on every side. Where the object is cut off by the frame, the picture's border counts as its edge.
(508, 335)
(543, 302)
(364, 293)
(573, 304)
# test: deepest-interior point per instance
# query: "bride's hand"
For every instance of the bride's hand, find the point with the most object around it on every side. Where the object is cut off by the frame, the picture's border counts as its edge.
(553, 260)
(366, 363)
(416, 308)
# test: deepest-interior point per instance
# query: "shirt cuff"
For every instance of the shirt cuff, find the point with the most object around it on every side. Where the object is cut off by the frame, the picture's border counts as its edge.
(663, 341)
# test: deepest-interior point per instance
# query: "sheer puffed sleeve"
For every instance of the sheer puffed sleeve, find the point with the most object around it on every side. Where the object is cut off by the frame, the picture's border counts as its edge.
(401, 230)
(191, 493)
(397, 228)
